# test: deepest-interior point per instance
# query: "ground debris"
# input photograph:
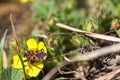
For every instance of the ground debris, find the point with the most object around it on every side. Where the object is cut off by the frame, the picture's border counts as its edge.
(103, 67)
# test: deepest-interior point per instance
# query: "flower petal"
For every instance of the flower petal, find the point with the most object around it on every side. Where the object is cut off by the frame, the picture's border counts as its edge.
(42, 46)
(31, 44)
(24, 1)
(33, 70)
(17, 63)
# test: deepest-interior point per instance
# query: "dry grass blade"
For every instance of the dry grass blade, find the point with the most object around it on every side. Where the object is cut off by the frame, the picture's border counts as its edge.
(4, 60)
(17, 45)
(94, 35)
(14, 34)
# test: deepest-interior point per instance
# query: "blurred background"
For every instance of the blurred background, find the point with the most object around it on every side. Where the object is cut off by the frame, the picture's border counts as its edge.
(31, 14)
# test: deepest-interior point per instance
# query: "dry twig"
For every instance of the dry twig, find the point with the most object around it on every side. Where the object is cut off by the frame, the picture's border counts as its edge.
(90, 34)
(111, 75)
(17, 44)
(14, 34)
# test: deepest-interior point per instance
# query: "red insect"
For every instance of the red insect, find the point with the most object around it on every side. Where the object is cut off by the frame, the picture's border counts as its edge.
(35, 55)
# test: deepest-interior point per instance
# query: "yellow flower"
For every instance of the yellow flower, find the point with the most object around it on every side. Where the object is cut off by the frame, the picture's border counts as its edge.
(32, 45)
(34, 68)
(25, 1)
(17, 63)
(31, 70)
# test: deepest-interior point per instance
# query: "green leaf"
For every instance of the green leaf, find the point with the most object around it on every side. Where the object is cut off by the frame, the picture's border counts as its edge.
(44, 9)
(1, 51)
(118, 32)
(12, 74)
(79, 41)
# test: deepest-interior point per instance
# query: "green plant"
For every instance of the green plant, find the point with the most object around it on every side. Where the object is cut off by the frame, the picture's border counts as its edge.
(9, 73)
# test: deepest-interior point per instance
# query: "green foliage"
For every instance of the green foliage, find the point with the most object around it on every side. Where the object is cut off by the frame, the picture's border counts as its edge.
(9, 73)
(50, 12)
(44, 10)
(79, 41)
(91, 26)
(98, 18)
(115, 25)
(12, 74)
(1, 54)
